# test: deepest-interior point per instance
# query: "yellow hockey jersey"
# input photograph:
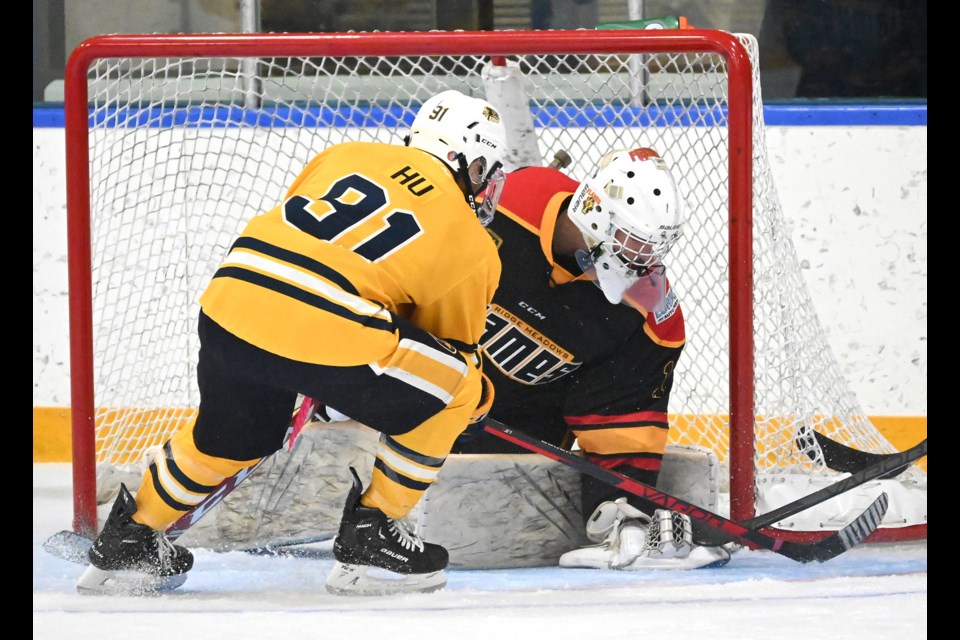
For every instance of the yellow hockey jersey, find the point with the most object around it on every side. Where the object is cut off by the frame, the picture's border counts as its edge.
(365, 229)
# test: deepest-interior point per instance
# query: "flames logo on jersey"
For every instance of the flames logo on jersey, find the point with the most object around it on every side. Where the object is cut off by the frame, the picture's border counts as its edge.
(491, 115)
(521, 352)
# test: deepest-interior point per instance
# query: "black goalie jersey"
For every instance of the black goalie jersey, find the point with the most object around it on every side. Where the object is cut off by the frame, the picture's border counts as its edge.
(567, 364)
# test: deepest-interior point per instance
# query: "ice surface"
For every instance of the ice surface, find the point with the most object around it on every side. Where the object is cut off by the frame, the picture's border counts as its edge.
(873, 592)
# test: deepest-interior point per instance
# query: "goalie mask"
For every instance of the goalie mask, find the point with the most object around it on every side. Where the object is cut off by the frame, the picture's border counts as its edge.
(630, 215)
(467, 134)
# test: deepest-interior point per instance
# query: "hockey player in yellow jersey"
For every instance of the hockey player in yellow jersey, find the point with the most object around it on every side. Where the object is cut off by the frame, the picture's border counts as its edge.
(365, 290)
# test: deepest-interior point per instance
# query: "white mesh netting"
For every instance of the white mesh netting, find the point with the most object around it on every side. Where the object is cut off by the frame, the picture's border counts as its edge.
(184, 151)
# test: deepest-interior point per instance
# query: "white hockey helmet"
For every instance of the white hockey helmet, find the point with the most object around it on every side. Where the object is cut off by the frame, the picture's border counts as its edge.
(459, 130)
(630, 214)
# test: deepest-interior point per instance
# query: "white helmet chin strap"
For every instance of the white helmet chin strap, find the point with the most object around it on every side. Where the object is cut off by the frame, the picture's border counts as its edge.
(612, 276)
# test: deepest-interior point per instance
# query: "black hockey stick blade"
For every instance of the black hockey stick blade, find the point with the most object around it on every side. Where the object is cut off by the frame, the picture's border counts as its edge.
(841, 541)
(71, 546)
(882, 469)
(837, 456)
(820, 551)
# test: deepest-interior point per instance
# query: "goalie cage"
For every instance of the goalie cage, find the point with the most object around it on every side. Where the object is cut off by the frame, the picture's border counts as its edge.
(175, 141)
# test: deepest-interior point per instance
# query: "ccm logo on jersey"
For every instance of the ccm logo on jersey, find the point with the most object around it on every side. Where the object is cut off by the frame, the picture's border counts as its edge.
(535, 313)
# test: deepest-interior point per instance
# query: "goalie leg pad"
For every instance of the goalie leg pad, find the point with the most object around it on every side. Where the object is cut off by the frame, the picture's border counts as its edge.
(294, 497)
(490, 511)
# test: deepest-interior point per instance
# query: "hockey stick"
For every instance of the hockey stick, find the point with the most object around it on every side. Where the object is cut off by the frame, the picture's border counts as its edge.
(893, 462)
(879, 470)
(819, 551)
(70, 545)
(840, 457)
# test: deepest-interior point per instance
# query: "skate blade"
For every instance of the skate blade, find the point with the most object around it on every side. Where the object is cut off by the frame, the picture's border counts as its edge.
(132, 583)
(359, 580)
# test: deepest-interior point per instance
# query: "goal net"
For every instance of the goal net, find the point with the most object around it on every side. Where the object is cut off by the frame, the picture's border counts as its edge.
(175, 142)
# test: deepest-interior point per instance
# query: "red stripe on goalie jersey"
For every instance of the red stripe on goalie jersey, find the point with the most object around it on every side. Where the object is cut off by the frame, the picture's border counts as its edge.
(667, 327)
(564, 357)
(527, 193)
(634, 440)
(365, 229)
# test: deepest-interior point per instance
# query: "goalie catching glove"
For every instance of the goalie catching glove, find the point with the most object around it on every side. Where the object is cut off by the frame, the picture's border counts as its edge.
(479, 417)
(630, 540)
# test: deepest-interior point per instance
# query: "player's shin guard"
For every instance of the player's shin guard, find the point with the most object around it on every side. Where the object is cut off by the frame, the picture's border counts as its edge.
(400, 477)
(178, 478)
(407, 464)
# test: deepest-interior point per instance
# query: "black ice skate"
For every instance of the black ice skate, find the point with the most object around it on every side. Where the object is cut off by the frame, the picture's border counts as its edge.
(128, 557)
(377, 555)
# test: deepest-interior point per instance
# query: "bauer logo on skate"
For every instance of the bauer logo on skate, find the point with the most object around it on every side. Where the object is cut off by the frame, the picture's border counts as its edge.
(394, 554)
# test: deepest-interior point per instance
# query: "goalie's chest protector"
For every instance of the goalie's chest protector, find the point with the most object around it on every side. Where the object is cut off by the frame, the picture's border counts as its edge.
(537, 332)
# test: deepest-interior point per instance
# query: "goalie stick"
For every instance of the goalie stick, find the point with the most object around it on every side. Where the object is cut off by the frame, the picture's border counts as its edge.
(70, 545)
(887, 465)
(894, 462)
(819, 551)
(840, 457)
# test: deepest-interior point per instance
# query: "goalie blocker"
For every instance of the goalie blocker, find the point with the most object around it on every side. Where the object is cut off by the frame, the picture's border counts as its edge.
(488, 510)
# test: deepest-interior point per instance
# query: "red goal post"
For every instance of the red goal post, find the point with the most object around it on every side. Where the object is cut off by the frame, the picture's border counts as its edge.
(174, 141)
